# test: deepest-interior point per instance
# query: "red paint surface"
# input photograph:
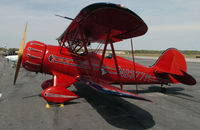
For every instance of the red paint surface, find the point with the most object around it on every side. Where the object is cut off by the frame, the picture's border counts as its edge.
(66, 68)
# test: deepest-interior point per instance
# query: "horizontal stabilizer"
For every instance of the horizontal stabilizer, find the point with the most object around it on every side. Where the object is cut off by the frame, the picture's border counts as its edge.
(111, 90)
(185, 78)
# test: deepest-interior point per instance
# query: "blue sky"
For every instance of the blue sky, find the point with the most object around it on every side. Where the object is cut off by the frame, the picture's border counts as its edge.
(171, 23)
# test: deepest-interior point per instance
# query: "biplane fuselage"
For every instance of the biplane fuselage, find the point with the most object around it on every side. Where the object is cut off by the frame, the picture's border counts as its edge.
(52, 60)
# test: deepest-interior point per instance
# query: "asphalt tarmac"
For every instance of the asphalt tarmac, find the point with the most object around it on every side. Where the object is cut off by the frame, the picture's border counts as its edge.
(22, 107)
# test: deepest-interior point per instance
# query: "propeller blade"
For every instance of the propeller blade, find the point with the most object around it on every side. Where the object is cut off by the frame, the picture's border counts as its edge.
(20, 54)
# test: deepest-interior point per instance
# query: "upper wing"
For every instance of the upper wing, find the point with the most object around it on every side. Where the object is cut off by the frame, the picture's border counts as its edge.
(95, 20)
(103, 87)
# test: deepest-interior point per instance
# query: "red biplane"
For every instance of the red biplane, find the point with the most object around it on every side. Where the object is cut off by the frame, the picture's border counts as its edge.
(106, 24)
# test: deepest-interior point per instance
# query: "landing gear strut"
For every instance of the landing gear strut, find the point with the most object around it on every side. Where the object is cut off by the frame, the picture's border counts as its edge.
(163, 89)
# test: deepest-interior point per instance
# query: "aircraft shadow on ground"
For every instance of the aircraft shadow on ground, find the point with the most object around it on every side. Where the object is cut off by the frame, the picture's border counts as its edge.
(115, 110)
(174, 91)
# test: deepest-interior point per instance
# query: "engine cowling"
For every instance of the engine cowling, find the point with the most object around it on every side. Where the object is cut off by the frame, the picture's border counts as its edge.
(33, 56)
(58, 94)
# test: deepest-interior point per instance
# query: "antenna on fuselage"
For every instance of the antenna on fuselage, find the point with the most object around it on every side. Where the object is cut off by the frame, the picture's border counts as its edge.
(64, 17)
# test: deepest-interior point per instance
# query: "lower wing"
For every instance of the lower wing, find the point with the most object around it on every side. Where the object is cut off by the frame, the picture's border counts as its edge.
(111, 90)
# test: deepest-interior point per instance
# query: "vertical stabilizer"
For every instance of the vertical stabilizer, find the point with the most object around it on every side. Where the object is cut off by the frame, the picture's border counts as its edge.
(173, 63)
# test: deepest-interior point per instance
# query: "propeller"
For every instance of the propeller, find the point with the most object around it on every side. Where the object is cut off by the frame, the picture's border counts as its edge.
(20, 54)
